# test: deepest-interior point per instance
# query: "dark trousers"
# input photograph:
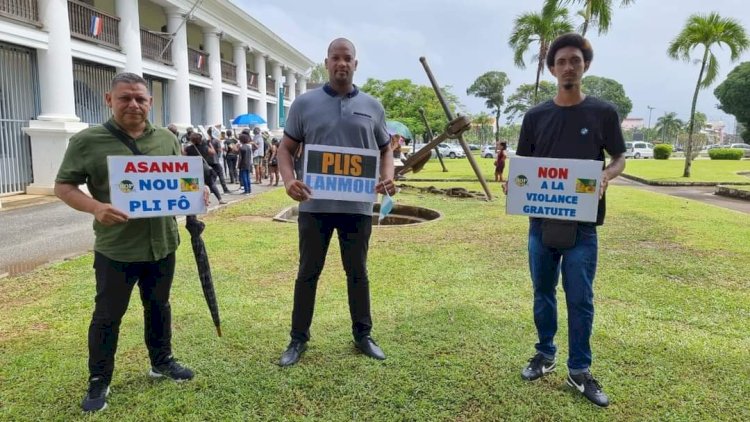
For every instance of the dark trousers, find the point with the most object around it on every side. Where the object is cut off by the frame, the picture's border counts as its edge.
(220, 172)
(210, 178)
(231, 161)
(114, 283)
(315, 231)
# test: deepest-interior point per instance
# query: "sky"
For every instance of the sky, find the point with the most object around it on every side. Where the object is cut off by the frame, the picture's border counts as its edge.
(464, 39)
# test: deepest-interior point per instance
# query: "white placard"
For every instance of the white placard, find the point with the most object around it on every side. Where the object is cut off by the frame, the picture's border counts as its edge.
(341, 173)
(153, 186)
(562, 189)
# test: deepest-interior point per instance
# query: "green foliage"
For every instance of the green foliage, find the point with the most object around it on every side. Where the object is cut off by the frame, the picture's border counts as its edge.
(706, 32)
(662, 151)
(703, 170)
(490, 86)
(541, 28)
(732, 93)
(669, 126)
(608, 90)
(595, 13)
(319, 74)
(725, 154)
(402, 99)
(523, 99)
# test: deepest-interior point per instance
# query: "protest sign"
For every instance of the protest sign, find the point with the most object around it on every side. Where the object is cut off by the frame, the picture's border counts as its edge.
(153, 186)
(341, 173)
(563, 189)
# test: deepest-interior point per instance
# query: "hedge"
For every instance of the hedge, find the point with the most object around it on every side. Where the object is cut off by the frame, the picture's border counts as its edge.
(725, 154)
(662, 151)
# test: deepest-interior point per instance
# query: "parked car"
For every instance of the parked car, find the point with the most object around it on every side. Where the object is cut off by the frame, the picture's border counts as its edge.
(639, 150)
(744, 147)
(474, 147)
(489, 151)
(451, 150)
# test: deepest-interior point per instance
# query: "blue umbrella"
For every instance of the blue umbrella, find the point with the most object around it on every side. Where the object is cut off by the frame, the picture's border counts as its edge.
(397, 128)
(248, 119)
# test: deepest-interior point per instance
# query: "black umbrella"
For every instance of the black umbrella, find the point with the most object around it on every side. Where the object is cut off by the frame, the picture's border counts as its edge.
(196, 227)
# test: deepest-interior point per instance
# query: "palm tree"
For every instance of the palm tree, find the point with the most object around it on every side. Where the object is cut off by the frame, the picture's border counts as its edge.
(669, 126)
(595, 13)
(541, 28)
(708, 31)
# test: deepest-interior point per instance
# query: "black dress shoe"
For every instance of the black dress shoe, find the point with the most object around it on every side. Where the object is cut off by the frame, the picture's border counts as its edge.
(368, 346)
(292, 353)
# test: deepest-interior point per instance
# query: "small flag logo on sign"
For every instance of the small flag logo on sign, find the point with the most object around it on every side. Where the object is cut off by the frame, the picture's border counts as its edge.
(97, 25)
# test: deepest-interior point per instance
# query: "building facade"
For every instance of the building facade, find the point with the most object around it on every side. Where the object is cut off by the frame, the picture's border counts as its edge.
(206, 61)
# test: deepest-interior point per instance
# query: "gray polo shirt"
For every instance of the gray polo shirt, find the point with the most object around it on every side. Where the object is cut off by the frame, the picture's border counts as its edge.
(322, 117)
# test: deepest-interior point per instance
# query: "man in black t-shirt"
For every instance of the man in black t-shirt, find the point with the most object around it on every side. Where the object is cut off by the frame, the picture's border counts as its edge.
(574, 126)
(231, 149)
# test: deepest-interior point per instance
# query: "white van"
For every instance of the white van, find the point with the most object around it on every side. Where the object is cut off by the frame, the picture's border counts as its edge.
(639, 149)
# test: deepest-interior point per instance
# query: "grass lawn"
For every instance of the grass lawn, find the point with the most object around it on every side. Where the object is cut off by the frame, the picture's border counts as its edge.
(451, 303)
(702, 170)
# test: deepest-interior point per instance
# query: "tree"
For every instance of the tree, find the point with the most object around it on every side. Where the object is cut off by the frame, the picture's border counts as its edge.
(541, 28)
(608, 90)
(402, 99)
(706, 31)
(482, 123)
(698, 124)
(523, 99)
(319, 74)
(490, 86)
(732, 94)
(595, 13)
(669, 126)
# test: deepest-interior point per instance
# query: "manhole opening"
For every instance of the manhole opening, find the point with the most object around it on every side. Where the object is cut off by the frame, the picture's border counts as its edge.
(401, 215)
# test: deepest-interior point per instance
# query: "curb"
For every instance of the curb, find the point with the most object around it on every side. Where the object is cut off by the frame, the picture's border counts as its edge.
(733, 193)
(657, 183)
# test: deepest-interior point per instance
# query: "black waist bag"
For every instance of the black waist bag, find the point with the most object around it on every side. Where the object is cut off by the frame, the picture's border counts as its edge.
(559, 234)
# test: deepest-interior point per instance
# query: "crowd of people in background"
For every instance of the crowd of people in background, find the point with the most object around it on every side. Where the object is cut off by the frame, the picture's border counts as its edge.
(232, 157)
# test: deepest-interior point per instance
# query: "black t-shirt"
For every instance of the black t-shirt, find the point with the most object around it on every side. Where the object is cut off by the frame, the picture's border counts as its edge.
(230, 144)
(583, 131)
(202, 150)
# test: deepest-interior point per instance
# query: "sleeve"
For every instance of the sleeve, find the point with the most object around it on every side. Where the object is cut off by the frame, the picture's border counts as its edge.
(381, 130)
(614, 143)
(72, 170)
(293, 128)
(525, 141)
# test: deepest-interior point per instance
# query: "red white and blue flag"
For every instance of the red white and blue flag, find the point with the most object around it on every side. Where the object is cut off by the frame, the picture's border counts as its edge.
(97, 25)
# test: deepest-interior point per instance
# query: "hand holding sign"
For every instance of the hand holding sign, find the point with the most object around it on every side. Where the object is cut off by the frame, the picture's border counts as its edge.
(386, 187)
(109, 215)
(297, 190)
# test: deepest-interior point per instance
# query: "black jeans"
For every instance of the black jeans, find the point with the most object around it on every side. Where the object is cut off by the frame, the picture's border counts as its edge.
(220, 173)
(231, 161)
(114, 283)
(210, 179)
(315, 231)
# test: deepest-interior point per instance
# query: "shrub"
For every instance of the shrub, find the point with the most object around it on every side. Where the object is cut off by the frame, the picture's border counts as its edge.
(725, 154)
(662, 151)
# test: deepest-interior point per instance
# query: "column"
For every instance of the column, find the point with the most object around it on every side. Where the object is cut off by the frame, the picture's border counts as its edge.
(260, 67)
(240, 60)
(302, 81)
(51, 130)
(291, 81)
(214, 105)
(276, 76)
(179, 91)
(130, 35)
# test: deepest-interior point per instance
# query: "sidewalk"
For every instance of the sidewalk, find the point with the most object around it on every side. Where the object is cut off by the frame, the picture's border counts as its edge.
(38, 229)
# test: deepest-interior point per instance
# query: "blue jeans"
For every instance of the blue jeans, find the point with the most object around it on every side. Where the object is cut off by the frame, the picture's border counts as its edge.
(245, 180)
(578, 267)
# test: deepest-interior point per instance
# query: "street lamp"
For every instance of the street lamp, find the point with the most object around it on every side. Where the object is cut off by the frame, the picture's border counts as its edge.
(650, 109)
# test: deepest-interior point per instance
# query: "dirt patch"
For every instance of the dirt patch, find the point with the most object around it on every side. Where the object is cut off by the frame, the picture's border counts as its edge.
(451, 192)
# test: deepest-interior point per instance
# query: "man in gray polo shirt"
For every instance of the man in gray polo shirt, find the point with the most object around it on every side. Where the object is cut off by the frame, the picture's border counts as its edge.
(337, 114)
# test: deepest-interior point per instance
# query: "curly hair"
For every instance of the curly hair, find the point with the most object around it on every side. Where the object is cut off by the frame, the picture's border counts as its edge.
(570, 39)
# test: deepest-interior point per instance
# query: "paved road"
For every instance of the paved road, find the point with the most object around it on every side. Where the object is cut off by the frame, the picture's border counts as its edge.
(35, 235)
(699, 193)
